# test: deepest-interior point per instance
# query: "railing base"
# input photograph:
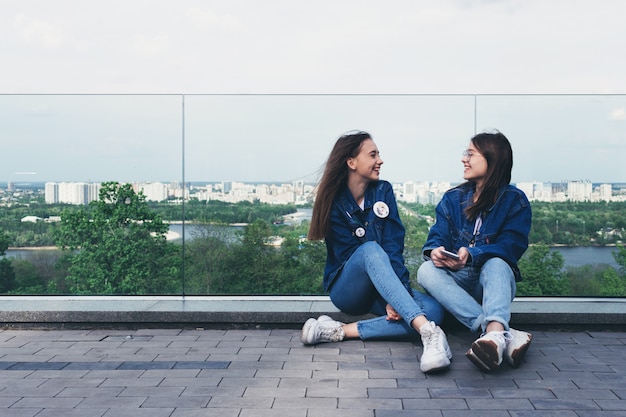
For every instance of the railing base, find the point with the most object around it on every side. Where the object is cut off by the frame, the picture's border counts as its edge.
(262, 311)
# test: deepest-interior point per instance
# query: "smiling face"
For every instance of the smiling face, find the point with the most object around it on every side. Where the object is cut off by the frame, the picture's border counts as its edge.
(474, 165)
(366, 164)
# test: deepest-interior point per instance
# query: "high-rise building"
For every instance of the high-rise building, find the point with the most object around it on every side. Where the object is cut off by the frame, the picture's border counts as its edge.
(536, 191)
(51, 193)
(606, 192)
(71, 192)
(154, 191)
(579, 190)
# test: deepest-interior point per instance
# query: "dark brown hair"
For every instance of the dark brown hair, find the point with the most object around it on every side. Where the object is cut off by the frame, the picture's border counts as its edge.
(496, 149)
(334, 177)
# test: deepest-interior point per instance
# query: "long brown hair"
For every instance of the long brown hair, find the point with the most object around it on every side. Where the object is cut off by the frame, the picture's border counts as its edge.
(334, 177)
(496, 149)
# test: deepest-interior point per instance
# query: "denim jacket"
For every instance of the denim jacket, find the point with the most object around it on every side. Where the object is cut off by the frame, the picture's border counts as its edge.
(343, 237)
(503, 233)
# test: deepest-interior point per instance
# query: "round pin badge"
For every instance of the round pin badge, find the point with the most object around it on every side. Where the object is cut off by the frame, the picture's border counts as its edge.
(359, 232)
(381, 209)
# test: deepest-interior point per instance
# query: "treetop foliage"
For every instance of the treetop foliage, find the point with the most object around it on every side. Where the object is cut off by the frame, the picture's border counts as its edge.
(118, 245)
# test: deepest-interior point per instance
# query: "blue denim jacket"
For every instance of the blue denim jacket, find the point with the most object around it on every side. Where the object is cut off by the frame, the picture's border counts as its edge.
(346, 217)
(504, 230)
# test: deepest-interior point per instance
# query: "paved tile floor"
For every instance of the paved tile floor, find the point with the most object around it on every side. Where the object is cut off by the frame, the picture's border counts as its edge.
(259, 373)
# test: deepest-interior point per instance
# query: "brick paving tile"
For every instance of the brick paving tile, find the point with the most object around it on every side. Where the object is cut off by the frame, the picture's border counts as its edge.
(269, 373)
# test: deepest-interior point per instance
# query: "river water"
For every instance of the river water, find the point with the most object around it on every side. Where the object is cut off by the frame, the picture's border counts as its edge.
(587, 255)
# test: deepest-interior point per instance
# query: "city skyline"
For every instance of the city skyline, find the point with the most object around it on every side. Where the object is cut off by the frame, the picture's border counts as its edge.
(299, 192)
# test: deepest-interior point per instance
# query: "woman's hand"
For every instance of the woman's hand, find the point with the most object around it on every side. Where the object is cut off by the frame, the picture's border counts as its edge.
(392, 315)
(442, 261)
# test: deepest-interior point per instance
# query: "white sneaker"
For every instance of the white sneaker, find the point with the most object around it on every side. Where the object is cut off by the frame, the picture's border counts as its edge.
(517, 344)
(437, 353)
(486, 351)
(322, 329)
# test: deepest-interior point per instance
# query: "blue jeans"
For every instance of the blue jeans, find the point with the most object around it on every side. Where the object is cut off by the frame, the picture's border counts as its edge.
(368, 283)
(475, 296)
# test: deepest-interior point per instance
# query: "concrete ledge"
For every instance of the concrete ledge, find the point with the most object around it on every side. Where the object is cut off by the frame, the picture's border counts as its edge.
(569, 311)
(258, 311)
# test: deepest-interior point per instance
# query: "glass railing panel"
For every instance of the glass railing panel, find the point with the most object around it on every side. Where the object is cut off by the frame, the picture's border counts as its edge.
(60, 151)
(232, 176)
(568, 159)
(250, 160)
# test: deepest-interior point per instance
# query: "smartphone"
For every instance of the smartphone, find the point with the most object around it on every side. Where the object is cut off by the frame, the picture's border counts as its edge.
(450, 254)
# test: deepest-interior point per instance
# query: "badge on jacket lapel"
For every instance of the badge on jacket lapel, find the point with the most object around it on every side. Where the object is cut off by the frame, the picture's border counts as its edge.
(381, 209)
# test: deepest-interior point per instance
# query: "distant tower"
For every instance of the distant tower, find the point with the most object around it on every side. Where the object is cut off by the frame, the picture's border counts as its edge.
(51, 193)
(298, 187)
(606, 192)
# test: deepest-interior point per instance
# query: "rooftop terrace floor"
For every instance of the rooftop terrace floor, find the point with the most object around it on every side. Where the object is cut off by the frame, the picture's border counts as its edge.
(268, 372)
(177, 370)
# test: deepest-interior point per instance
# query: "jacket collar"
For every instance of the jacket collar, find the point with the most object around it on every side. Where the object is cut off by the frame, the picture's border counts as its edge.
(347, 202)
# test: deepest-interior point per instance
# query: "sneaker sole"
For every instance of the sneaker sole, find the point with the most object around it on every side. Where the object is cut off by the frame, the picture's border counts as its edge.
(517, 356)
(484, 355)
(477, 361)
(434, 367)
(306, 330)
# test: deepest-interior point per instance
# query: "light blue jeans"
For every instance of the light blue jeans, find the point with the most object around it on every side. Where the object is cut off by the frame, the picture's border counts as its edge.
(475, 296)
(367, 283)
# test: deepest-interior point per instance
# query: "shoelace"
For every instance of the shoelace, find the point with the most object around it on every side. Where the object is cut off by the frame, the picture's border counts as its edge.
(507, 337)
(503, 337)
(433, 338)
(334, 334)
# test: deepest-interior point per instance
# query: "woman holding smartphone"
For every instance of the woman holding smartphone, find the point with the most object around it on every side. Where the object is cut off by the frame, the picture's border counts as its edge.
(355, 213)
(485, 221)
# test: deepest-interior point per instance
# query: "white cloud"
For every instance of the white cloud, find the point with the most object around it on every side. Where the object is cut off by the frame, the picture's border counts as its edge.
(151, 46)
(205, 19)
(280, 46)
(37, 32)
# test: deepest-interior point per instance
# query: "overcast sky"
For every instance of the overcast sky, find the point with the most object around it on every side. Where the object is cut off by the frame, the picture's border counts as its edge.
(501, 51)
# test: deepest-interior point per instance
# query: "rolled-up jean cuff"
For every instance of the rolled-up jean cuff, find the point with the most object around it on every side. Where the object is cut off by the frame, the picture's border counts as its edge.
(479, 324)
(379, 328)
(500, 320)
(410, 320)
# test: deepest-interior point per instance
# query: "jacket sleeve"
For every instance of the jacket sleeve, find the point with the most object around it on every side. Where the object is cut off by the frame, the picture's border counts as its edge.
(337, 249)
(439, 233)
(511, 241)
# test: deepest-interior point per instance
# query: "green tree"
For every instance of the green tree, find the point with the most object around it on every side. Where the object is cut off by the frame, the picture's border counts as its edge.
(541, 272)
(612, 284)
(540, 234)
(620, 258)
(303, 266)
(118, 246)
(257, 261)
(204, 259)
(28, 280)
(7, 274)
(584, 280)
(254, 266)
(39, 272)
